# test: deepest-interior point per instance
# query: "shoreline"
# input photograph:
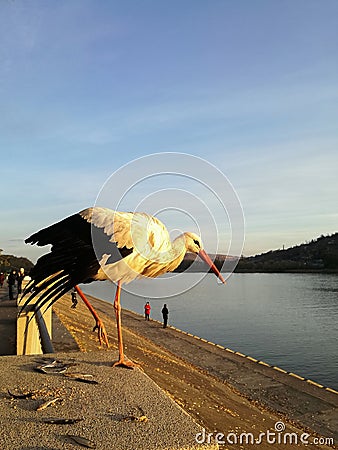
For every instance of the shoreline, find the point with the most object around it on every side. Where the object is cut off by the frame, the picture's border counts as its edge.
(250, 358)
(214, 390)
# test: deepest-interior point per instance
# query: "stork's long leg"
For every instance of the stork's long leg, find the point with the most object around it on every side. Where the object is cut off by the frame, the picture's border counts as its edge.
(101, 331)
(117, 306)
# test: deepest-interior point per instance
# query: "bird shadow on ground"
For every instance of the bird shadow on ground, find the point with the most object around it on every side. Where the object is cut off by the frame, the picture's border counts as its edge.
(27, 368)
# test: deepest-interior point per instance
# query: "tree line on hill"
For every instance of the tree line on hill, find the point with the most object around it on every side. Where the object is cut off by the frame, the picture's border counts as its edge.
(318, 255)
(9, 262)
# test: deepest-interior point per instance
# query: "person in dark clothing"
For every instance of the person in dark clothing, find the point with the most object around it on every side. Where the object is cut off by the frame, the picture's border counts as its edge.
(74, 299)
(12, 279)
(165, 313)
(20, 277)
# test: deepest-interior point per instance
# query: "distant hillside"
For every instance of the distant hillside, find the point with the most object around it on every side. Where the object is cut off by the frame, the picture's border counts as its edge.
(319, 255)
(192, 263)
(8, 262)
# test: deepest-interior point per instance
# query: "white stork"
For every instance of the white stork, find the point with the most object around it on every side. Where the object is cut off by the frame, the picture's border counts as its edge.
(99, 244)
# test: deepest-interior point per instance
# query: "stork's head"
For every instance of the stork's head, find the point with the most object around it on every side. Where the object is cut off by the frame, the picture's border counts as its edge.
(193, 244)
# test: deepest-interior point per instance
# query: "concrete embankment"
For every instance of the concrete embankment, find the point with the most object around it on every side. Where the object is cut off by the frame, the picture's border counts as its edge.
(301, 400)
(224, 391)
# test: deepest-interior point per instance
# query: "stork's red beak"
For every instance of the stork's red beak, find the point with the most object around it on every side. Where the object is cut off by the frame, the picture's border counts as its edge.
(202, 254)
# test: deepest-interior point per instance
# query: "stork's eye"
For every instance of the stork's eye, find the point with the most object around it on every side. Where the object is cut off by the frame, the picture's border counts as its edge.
(197, 243)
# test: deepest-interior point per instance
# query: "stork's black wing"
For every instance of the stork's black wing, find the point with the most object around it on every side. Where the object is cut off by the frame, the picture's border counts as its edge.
(71, 260)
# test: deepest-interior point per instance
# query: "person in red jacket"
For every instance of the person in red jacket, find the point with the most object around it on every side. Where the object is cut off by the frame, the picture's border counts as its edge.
(147, 309)
(2, 279)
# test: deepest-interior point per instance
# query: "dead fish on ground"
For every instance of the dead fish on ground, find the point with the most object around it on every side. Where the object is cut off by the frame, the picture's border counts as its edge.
(23, 394)
(82, 377)
(49, 403)
(78, 375)
(46, 360)
(135, 419)
(61, 421)
(86, 380)
(141, 417)
(53, 366)
(82, 441)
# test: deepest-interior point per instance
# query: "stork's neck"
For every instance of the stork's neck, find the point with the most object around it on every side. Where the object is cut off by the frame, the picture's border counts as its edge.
(178, 245)
(178, 250)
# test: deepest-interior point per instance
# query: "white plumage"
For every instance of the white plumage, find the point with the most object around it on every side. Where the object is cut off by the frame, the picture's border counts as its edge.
(99, 244)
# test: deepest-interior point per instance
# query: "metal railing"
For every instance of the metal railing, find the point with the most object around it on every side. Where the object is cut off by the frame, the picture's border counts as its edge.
(46, 342)
(34, 330)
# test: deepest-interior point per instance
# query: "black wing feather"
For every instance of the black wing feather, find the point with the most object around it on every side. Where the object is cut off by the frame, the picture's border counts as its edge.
(72, 259)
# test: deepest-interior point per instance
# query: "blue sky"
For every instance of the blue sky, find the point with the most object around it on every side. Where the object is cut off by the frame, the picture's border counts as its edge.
(251, 86)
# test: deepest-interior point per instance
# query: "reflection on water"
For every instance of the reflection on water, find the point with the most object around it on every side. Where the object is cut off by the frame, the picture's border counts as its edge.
(289, 320)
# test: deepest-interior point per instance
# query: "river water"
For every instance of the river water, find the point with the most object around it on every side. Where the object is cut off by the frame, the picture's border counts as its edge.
(288, 320)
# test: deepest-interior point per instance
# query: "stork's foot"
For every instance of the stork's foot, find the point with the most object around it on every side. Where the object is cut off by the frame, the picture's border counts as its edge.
(101, 332)
(126, 364)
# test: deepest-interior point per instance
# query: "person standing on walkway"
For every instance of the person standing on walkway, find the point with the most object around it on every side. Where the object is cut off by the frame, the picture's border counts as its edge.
(21, 276)
(147, 309)
(165, 313)
(12, 279)
(74, 299)
(2, 279)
